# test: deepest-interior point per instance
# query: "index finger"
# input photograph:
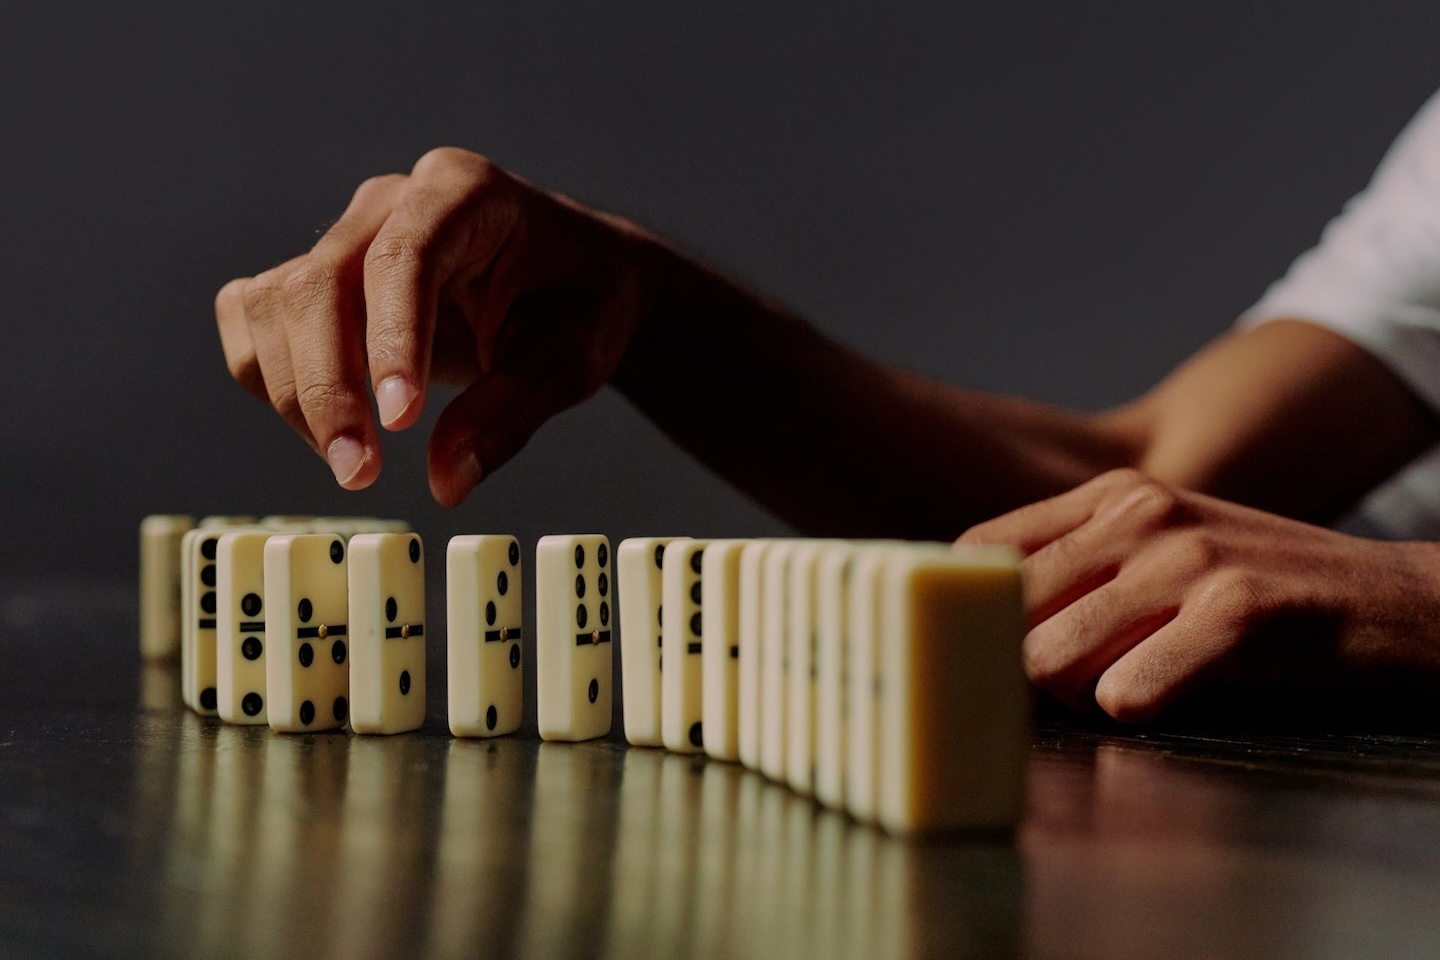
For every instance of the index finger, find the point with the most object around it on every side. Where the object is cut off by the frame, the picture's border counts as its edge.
(453, 217)
(1039, 524)
(323, 330)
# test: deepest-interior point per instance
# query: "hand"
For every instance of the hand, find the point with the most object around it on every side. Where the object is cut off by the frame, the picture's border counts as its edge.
(458, 272)
(1138, 593)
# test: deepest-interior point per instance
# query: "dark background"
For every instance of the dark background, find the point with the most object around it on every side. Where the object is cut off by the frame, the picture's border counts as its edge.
(1059, 201)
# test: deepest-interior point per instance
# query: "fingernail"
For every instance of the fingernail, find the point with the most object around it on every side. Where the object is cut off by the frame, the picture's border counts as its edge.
(346, 456)
(393, 396)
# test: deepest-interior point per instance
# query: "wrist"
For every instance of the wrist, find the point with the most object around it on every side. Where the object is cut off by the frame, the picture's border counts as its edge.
(1397, 627)
(678, 306)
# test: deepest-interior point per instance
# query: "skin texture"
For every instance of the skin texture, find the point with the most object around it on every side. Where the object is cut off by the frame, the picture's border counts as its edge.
(458, 272)
(1143, 589)
(1140, 593)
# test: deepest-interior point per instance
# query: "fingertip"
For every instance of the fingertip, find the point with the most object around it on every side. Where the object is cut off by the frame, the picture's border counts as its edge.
(454, 476)
(398, 401)
(1119, 697)
(354, 464)
(1107, 696)
(988, 533)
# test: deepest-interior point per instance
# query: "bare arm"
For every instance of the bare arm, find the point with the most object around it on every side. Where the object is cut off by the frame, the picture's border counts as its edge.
(1140, 587)
(838, 443)
(462, 272)
(1288, 416)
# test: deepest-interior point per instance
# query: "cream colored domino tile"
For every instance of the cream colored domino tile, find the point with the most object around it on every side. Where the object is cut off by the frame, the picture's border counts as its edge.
(240, 637)
(484, 632)
(954, 702)
(573, 636)
(682, 681)
(831, 674)
(160, 537)
(863, 629)
(225, 521)
(307, 666)
(720, 648)
(774, 685)
(861, 641)
(387, 632)
(188, 615)
(199, 604)
(752, 619)
(348, 527)
(800, 640)
(639, 566)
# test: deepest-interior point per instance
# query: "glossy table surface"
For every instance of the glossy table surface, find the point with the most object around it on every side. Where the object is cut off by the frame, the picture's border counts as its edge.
(130, 828)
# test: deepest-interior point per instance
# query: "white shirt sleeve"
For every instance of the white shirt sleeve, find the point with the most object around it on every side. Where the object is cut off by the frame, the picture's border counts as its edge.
(1374, 278)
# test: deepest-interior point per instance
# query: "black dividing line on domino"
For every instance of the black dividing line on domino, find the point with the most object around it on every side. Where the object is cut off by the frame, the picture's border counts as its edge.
(586, 639)
(305, 633)
(252, 626)
(493, 636)
(400, 633)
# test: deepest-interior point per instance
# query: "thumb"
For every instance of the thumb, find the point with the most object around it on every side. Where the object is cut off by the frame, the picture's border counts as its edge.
(483, 427)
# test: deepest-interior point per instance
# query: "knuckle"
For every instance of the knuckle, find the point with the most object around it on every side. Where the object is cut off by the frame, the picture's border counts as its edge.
(374, 187)
(1121, 478)
(1066, 552)
(396, 252)
(1195, 551)
(1152, 502)
(392, 350)
(1233, 597)
(261, 291)
(283, 399)
(445, 160)
(308, 283)
(318, 396)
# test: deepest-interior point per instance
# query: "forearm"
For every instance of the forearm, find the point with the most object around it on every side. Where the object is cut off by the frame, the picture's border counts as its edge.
(836, 443)
(1289, 417)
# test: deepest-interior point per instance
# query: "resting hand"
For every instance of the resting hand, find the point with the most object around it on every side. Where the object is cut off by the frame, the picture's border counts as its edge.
(457, 272)
(1138, 593)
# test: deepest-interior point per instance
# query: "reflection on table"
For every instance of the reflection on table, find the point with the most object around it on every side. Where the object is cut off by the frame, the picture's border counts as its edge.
(331, 845)
(130, 828)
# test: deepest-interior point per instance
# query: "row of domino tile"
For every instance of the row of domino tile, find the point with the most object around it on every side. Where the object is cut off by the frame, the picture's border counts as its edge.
(311, 624)
(763, 638)
(301, 623)
(882, 678)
